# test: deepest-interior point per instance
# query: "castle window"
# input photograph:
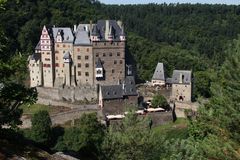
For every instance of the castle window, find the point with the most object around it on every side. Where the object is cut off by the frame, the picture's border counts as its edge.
(79, 57)
(78, 49)
(87, 49)
(104, 44)
(120, 61)
(99, 72)
(47, 59)
(64, 45)
(48, 53)
(33, 65)
(56, 52)
(32, 71)
(118, 53)
(56, 57)
(115, 62)
(97, 55)
(86, 65)
(79, 73)
(56, 64)
(79, 65)
(86, 57)
(48, 65)
(86, 74)
(63, 65)
(62, 71)
(113, 71)
(33, 79)
(57, 45)
(104, 54)
(110, 54)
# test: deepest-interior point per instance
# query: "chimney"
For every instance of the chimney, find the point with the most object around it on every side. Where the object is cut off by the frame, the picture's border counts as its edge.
(180, 78)
(74, 28)
(106, 29)
(90, 27)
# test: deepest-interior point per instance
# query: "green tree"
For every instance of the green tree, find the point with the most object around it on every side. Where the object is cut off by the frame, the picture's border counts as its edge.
(41, 127)
(131, 140)
(220, 117)
(160, 101)
(85, 137)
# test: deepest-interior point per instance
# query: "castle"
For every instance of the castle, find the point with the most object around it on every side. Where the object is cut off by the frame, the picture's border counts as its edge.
(88, 55)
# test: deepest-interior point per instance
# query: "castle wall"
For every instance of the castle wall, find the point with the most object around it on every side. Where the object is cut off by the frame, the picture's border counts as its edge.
(182, 92)
(83, 62)
(60, 50)
(68, 93)
(35, 69)
(112, 55)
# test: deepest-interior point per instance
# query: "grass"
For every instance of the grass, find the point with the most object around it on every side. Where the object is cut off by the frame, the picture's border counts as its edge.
(177, 129)
(34, 108)
(30, 110)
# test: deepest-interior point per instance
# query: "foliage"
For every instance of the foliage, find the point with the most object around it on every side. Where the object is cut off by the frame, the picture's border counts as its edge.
(202, 83)
(220, 117)
(85, 137)
(131, 140)
(160, 101)
(41, 127)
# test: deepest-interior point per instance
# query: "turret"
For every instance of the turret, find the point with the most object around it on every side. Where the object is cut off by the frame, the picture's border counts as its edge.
(67, 67)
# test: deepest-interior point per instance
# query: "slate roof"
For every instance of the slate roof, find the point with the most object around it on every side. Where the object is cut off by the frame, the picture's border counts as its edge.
(38, 47)
(100, 29)
(169, 80)
(99, 63)
(128, 88)
(67, 56)
(112, 92)
(159, 72)
(184, 74)
(35, 56)
(81, 36)
(129, 80)
(67, 34)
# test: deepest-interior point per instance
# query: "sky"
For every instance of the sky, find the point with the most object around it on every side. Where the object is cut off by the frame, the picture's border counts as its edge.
(236, 2)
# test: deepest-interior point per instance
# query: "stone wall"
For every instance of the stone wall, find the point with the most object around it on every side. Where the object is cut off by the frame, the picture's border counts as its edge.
(119, 106)
(68, 93)
(158, 118)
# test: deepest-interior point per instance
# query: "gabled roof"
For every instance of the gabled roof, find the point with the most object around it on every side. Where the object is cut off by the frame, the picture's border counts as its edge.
(182, 75)
(67, 34)
(159, 72)
(81, 36)
(101, 26)
(112, 92)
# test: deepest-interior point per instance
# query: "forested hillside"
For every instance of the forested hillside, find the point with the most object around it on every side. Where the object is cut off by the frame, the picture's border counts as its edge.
(183, 36)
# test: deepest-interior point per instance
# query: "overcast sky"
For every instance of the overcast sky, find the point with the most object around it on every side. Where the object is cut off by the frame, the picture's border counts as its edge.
(237, 2)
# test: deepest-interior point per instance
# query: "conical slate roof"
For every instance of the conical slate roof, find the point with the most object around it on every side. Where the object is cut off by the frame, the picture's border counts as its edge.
(67, 56)
(99, 63)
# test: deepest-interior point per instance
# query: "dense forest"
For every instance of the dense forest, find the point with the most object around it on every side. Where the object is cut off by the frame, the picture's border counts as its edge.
(201, 38)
